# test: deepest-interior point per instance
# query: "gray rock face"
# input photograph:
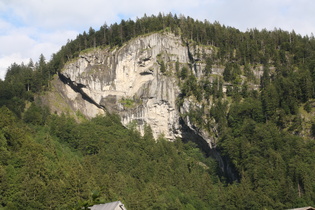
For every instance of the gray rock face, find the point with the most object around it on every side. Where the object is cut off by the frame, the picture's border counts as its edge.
(129, 81)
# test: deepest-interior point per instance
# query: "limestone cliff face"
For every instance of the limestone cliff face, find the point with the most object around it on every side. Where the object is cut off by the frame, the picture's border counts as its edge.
(129, 81)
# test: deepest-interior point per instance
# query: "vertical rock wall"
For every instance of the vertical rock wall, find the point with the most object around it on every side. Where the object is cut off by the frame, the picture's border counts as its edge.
(128, 81)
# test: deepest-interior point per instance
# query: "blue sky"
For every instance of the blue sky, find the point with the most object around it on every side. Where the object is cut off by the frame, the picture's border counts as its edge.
(31, 27)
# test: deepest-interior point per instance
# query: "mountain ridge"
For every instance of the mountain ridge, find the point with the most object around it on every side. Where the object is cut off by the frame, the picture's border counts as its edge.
(247, 99)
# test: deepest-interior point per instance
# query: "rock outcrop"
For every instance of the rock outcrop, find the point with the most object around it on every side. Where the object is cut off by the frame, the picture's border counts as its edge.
(129, 81)
(140, 82)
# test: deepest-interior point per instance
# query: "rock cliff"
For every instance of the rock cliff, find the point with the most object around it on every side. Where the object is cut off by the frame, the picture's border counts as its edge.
(140, 81)
(128, 81)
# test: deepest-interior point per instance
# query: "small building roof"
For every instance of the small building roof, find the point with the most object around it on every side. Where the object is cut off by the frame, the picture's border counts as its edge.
(117, 205)
(304, 208)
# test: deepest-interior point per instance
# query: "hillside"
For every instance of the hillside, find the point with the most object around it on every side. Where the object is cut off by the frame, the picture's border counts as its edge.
(162, 112)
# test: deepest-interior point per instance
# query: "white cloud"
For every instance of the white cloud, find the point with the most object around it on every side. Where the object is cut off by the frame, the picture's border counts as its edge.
(7, 60)
(21, 44)
(80, 15)
(4, 27)
(284, 14)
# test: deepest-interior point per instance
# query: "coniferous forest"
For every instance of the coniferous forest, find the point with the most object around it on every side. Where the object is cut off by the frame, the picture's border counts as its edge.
(267, 133)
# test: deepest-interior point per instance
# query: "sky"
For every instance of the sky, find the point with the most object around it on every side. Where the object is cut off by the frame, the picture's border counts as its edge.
(29, 28)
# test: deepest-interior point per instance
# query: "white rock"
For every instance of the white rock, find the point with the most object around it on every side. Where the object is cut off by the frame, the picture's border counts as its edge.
(119, 74)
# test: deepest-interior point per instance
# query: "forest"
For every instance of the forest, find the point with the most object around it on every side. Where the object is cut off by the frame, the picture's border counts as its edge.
(265, 128)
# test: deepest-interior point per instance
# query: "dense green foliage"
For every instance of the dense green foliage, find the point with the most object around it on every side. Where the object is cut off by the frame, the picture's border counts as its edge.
(65, 165)
(22, 82)
(276, 168)
(263, 124)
